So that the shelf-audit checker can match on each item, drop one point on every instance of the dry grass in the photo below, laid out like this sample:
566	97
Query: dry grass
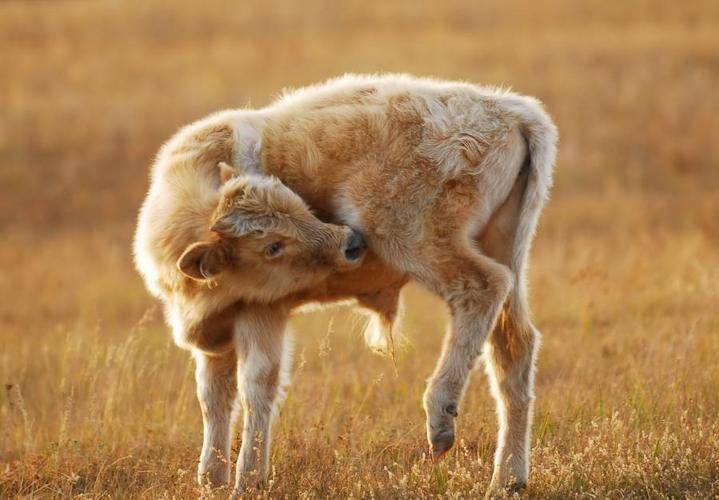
97	400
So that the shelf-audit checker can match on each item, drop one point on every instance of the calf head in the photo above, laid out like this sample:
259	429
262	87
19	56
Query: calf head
266	240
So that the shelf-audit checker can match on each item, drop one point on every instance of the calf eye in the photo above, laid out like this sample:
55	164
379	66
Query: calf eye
273	249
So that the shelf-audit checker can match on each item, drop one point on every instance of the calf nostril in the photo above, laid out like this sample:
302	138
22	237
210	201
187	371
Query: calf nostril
353	253
355	246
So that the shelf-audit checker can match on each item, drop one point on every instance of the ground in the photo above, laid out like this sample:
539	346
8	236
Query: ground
97	400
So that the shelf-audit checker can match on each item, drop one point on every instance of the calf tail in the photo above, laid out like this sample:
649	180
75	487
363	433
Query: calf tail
541	135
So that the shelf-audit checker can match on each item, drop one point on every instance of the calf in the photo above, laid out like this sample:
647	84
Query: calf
446	181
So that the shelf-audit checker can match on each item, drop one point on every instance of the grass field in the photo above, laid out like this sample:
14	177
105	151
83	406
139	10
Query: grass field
97	401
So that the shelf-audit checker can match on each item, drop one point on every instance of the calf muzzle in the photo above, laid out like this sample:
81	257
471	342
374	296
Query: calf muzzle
355	247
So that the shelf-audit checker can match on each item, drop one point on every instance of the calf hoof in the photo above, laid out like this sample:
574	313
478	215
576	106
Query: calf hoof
440	425
214	477
247	492
441	442
497	490
248	485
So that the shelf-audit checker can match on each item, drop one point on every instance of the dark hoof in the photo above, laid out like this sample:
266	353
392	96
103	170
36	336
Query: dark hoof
441	443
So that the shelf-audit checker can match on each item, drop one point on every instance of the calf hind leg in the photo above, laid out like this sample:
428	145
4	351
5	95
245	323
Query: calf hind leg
511	352
475	287
510	359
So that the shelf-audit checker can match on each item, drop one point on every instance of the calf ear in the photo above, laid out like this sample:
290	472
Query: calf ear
202	260
233	224
238	223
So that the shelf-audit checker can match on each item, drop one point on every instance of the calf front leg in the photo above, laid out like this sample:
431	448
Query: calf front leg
475	287
216	392
264	358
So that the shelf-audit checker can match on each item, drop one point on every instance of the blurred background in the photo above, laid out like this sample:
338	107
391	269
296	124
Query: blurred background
625	274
